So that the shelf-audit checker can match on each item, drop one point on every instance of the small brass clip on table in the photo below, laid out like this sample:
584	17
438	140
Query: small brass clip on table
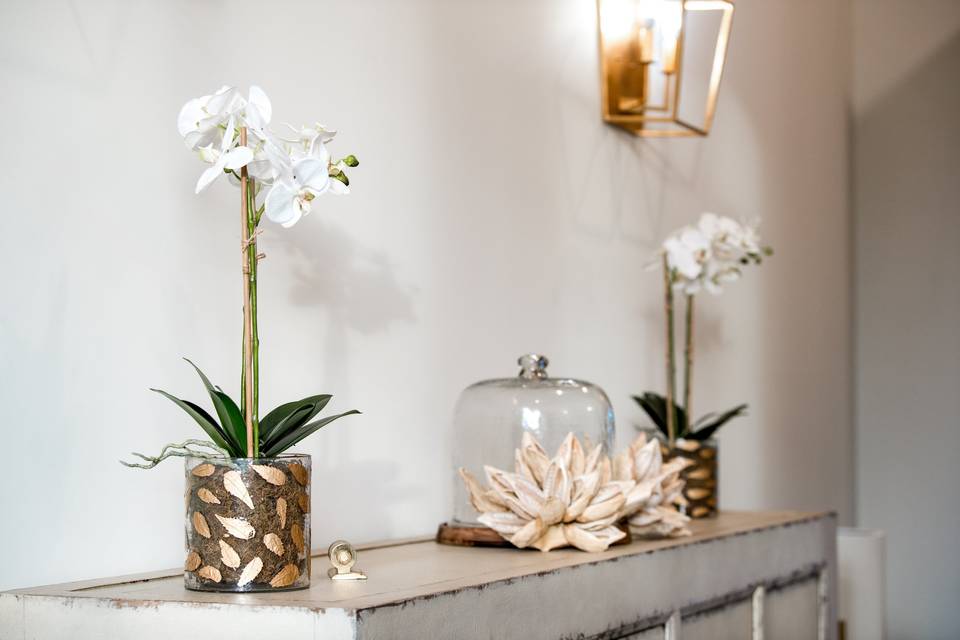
343	556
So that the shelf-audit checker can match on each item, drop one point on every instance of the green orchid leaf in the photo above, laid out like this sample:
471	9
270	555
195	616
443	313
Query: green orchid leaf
682	426
291	415
655	406
202	418
703	420
238	428
300	416
710	427
302	432
226	419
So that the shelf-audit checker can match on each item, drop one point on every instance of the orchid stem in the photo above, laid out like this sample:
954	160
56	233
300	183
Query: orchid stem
249	406
252	259
688	365
671	362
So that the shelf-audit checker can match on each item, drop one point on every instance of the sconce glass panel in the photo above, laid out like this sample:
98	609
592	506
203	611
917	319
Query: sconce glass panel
661	62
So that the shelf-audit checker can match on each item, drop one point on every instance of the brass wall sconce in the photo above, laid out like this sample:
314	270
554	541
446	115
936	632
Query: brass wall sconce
661	62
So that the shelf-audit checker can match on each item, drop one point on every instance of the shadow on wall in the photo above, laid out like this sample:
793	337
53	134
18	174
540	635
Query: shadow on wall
908	347
621	190
345	492
355	287
355	290
629	176
786	162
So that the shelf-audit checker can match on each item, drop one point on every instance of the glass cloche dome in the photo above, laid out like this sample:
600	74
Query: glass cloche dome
491	416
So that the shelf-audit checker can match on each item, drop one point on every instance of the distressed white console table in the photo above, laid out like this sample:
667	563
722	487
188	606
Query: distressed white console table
740	576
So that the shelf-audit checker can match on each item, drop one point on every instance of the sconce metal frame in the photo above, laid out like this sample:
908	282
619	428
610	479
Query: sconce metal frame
635	115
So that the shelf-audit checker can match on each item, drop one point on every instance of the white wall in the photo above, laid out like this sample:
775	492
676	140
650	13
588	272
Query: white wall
906	190
493	214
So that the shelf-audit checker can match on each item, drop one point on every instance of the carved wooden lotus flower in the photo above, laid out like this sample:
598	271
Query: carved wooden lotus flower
651	506
569	500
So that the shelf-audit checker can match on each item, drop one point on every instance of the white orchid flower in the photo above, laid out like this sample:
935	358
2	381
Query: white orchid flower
299	183
307	137
311	142
730	239
295	170
712	253
226	157
261	167
200	120
257	113
750	240
710	224
269	159
716	274
687	252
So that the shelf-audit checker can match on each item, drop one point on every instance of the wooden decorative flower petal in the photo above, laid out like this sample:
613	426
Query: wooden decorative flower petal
299	473
287	576
207	496
303	501
193	561
569	500
282	512
272	541
651	503
270	474
203	470
210	573
591	540
229	556
296	534
233	483
250	572
478	495
200	524
236	527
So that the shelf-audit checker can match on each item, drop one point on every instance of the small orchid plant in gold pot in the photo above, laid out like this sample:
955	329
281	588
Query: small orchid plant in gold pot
706	256
248	503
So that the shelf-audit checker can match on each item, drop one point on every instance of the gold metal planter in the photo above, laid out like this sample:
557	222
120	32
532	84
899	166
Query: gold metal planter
701	487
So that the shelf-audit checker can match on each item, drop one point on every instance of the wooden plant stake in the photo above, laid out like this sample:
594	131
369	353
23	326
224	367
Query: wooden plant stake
247	311
671	365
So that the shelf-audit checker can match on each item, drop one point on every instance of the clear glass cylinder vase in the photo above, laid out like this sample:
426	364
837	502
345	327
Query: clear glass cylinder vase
247	524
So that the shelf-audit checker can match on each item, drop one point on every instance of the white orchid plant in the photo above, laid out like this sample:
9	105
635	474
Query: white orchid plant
231	133
279	176
702	257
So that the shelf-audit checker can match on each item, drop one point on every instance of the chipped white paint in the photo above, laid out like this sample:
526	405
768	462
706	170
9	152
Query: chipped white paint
792	611
758	595
729	622
672	629
95	619
420	589
823	604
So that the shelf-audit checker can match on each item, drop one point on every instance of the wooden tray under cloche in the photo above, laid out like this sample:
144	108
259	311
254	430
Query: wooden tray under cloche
463	536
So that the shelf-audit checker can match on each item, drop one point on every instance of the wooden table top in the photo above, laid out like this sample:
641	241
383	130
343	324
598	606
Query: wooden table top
406	569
